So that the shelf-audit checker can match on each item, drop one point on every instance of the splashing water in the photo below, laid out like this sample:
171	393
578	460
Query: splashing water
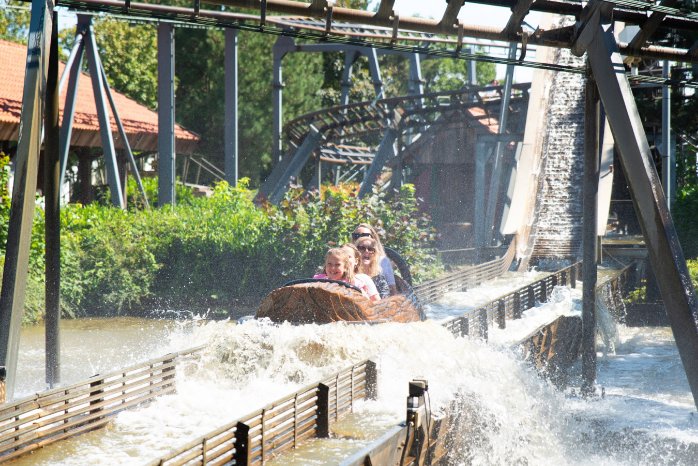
504	412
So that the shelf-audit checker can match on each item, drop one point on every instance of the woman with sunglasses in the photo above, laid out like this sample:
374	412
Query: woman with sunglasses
364	230
370	266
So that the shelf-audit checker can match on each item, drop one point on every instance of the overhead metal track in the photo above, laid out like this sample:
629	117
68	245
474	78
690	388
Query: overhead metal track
401	30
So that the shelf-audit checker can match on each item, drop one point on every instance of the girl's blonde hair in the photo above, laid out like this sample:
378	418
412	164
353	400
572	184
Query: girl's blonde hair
356	253
380	251
344	257
374	267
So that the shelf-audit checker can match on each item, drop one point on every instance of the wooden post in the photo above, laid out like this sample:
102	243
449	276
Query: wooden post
323	411
242	443
371	380
501	314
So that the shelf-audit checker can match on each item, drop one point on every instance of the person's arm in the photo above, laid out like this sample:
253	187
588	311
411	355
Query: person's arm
387	270
371	290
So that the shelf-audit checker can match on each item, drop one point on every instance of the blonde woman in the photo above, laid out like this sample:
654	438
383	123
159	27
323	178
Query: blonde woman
368	247
364	230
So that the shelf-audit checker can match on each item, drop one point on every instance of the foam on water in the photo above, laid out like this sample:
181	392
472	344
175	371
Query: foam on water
506	413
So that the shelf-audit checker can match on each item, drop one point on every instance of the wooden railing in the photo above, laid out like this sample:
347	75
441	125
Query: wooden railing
50	416
466	278
510	306
282	425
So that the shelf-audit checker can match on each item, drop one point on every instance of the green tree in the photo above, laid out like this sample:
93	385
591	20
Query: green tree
14	21
129	55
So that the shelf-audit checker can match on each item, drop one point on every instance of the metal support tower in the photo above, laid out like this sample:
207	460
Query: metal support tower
385	152
14	278
595	36
231	106
166	115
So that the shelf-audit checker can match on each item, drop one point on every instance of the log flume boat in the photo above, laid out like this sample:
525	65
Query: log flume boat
322	301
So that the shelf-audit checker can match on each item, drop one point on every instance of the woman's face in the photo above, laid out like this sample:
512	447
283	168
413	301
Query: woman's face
334	267
367	250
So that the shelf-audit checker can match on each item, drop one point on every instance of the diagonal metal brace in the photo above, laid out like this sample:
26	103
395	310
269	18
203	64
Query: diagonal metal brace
386	151
296	164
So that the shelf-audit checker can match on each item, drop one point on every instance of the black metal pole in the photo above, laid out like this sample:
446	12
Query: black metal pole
52	236
591	188
14	278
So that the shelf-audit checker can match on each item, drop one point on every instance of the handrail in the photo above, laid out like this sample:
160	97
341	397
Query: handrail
53	415
511	305
281	425
469	277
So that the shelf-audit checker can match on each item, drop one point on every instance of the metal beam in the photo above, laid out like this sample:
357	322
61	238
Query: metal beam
589	239
231	106
124	138
668	156
166	115
662	242
14	278
450	16
554	38
375	70
52	215
279	50
349	60
495	178
518	13
71	98
649	27
386	151
109	151
295	165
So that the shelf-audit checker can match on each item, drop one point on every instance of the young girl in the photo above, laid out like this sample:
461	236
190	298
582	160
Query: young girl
337	266
340	264
361	280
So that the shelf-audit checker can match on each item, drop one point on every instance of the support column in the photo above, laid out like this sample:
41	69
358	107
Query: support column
231	106
495	178
52	212
590	190
385	152
668	156
73	69
374	68
109	151
14	278
166	115
349	59
481	156
278	52
662	242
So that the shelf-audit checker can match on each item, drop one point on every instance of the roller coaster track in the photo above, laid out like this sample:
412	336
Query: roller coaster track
354	134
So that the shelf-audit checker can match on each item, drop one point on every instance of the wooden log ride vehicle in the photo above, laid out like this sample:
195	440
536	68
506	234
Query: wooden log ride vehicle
322	301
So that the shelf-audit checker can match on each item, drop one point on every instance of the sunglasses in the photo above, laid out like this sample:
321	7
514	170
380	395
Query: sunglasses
366	249
356	236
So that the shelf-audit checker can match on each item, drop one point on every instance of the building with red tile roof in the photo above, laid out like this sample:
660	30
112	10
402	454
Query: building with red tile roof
140	123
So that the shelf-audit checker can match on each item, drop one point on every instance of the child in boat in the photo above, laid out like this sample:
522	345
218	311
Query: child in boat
361	280
339	265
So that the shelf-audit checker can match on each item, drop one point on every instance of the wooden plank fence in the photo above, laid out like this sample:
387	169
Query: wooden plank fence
56	414
466	278
280	426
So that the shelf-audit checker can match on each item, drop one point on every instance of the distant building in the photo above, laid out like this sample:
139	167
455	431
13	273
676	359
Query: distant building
139	122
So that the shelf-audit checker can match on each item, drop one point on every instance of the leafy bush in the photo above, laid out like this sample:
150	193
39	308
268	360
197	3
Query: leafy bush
205	253
684	214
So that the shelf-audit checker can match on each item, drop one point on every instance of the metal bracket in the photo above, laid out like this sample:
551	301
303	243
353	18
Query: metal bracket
524	44
461	33
263	14
396	24
328	20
